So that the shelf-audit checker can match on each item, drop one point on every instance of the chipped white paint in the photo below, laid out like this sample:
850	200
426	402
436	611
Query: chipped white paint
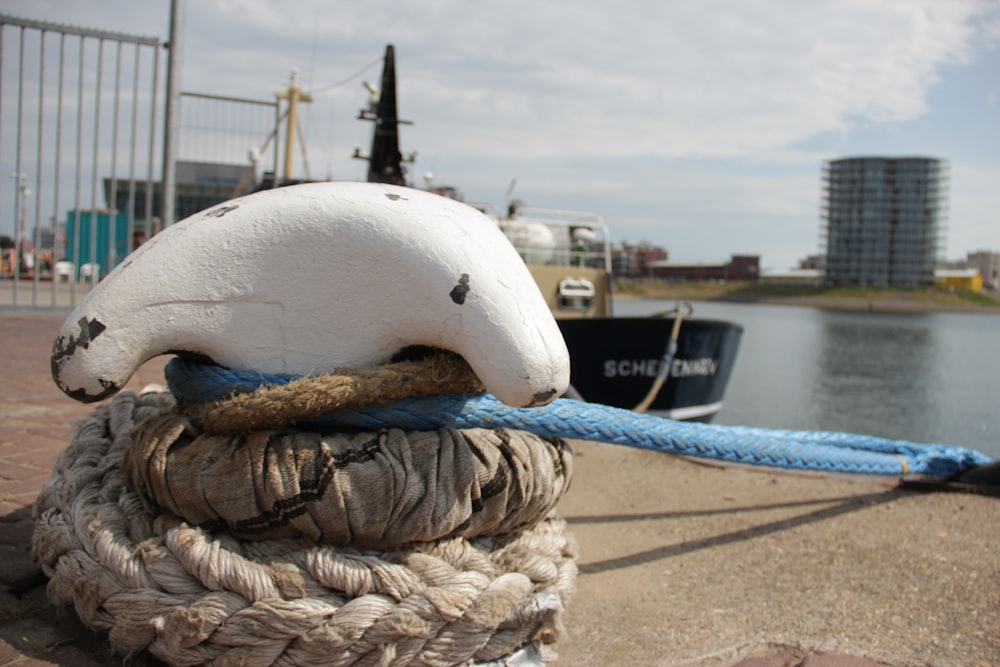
315	277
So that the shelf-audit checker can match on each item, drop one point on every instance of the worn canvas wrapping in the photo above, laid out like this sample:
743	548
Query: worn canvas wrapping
378	489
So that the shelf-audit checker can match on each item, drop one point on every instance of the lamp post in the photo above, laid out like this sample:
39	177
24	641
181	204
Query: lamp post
21	193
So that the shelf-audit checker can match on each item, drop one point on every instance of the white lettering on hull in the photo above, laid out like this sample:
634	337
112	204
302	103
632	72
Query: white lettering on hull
679	368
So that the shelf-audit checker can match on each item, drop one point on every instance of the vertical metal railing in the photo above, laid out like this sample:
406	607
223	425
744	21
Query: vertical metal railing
70	141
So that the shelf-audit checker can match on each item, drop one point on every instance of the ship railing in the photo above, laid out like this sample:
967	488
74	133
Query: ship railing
593	252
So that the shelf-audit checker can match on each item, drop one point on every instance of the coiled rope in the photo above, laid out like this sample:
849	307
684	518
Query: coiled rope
134	566
803	450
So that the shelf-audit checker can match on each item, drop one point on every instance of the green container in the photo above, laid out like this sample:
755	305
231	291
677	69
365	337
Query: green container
87	240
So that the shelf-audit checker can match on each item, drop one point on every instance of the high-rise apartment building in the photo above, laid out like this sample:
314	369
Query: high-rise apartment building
884	220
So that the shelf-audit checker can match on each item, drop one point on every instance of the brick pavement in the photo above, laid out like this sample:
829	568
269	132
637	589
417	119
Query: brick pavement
35	424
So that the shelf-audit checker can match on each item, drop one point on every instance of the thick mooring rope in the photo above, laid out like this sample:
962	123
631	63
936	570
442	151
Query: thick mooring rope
156	583
374	489
563	418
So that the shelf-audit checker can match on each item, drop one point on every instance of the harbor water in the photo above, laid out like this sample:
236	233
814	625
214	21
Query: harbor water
923	377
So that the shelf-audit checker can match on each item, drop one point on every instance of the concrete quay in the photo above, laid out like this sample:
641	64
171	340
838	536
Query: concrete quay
681	563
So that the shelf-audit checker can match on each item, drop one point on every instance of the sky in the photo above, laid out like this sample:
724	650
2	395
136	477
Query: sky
698	126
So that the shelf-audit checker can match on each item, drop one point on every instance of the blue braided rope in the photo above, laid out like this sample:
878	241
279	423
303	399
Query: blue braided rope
563	418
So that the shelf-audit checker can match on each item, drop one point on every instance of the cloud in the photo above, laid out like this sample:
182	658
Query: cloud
639	77
677	119
714	79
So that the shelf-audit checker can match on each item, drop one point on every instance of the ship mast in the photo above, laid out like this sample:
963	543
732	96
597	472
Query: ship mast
385	162
294	95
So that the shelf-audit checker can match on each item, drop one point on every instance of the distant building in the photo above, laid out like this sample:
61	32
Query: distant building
130	218
632	260
739	267
984	262
959	279
200	185
988	264
798	277
813	262
884	220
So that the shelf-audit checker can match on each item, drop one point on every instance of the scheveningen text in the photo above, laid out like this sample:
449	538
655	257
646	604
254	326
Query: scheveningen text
679	368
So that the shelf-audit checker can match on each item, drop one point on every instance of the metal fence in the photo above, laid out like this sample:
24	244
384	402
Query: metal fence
78	123
223	143
231	130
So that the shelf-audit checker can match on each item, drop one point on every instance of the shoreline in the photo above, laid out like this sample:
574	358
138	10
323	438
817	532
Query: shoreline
865	305
64	296
881	300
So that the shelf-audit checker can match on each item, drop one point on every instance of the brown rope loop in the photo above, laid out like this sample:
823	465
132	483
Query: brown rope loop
301	400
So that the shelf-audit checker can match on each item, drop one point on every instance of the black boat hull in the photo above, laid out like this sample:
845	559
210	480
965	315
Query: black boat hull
615	361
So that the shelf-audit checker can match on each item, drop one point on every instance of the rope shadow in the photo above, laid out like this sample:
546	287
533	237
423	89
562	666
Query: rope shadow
844	506
656	516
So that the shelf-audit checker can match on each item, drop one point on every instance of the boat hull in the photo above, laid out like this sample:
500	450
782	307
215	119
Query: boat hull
615	361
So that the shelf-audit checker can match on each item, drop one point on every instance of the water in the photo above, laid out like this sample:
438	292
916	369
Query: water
923	377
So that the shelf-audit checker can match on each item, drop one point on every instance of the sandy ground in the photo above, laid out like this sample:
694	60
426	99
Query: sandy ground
683	563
